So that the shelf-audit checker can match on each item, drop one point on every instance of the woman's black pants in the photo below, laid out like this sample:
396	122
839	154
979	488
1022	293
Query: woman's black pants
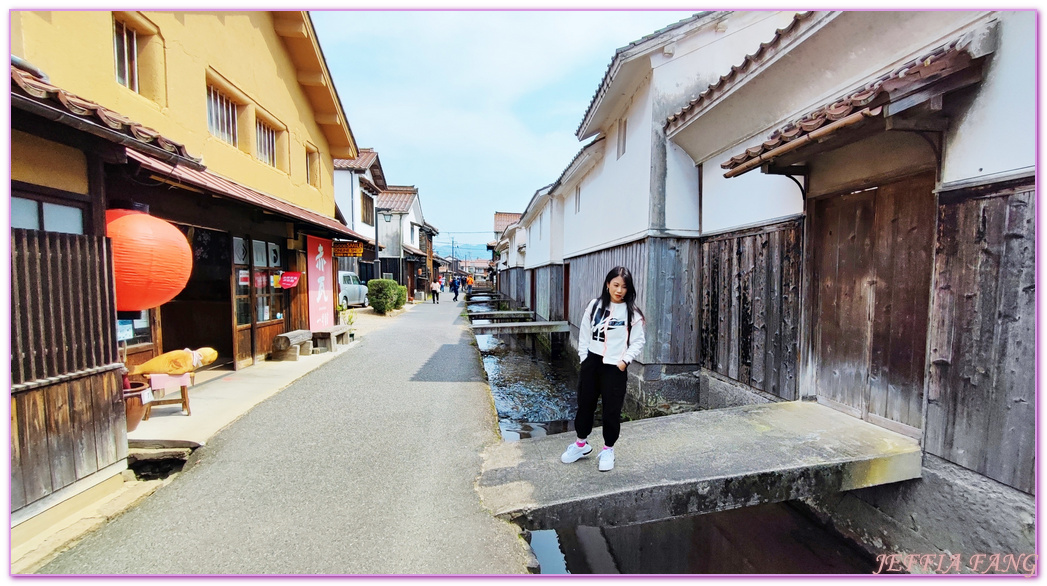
596	380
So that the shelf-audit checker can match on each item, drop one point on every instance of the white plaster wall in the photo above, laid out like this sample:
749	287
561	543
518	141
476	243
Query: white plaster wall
700	58
517	237
413	215
556	230
345	189
749	199
994	133
681	192
539	238
616	192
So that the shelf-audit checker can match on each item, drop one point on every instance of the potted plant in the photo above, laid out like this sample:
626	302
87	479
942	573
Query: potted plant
350	318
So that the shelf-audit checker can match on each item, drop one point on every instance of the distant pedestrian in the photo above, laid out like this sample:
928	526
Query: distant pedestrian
610	336
454	288
441	283
435	287
469	284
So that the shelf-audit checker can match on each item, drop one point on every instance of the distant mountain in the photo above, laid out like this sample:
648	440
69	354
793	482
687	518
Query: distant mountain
463	251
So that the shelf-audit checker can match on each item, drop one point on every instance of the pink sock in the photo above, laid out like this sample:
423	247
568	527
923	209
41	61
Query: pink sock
608	447
580	443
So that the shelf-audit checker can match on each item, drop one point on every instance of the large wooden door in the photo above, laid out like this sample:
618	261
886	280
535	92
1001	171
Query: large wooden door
872	253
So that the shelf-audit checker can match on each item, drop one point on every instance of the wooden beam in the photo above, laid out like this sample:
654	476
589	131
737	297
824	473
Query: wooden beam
292	29
327	119
918	124
313	79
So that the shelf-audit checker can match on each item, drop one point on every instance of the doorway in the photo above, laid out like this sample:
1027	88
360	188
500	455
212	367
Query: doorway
872	253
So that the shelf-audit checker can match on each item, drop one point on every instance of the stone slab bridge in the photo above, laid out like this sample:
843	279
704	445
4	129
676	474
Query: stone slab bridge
698	462
524	327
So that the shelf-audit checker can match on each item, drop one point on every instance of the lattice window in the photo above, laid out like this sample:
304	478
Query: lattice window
266	143
221	116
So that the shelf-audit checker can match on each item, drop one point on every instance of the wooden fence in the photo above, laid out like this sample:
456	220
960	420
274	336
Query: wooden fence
749	311
67	410
63	314
981	388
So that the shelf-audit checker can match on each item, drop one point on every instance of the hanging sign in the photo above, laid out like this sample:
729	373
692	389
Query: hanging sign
289	279
347	248
243	277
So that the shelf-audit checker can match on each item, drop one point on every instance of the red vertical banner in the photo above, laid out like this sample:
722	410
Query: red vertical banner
322	275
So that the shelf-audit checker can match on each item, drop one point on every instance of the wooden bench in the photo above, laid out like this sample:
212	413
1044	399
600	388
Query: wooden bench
159	383
290	345
329	339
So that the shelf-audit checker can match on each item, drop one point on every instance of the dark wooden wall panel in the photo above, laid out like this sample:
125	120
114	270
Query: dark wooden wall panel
981	379
749	306
64	432
549	292
672	310
588	272
264	336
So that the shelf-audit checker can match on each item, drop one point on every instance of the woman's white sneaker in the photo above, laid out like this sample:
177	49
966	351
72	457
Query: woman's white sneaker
573	452
606	459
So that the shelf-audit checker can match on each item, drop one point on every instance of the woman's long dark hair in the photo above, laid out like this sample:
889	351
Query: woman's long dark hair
630	298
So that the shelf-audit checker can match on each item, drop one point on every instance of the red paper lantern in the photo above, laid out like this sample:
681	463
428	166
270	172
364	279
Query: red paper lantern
152	260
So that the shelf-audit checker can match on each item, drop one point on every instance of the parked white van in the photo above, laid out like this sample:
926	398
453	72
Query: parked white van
350	290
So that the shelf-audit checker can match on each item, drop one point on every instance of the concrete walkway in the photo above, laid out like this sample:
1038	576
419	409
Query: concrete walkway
697	462
366	465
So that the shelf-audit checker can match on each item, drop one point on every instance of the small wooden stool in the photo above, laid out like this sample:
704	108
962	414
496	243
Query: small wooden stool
159	382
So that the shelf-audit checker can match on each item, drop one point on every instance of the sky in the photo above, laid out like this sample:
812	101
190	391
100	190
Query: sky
477	109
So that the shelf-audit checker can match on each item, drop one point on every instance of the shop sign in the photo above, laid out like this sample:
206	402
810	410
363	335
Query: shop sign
347	248
243	277
289	279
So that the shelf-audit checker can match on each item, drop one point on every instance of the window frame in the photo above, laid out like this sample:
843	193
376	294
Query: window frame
265	142
126	64
312	165
42	195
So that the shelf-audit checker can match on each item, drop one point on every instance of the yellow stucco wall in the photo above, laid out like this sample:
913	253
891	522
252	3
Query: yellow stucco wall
42	162
75	49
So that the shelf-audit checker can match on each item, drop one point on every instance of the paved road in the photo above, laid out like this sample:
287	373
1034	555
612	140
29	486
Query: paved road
365	466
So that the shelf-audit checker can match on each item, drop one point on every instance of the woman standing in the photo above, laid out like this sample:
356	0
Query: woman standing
610	337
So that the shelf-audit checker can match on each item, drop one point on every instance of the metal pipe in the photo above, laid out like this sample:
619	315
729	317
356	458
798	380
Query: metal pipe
795	144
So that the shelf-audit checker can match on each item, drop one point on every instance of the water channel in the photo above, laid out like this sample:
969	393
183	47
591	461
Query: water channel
534	395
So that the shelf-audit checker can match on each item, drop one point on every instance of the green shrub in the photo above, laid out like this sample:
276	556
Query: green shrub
381	293
401	297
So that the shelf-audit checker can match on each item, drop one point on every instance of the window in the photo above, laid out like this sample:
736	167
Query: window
412	233
312	166
577	198
265	137
269	302
136	330
622	128
125	44
366	208
41	215
138	52
221	115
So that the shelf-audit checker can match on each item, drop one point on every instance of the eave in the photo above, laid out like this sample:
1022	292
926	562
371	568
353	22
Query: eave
295	28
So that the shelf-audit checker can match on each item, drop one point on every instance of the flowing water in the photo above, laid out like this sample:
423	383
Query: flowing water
535	396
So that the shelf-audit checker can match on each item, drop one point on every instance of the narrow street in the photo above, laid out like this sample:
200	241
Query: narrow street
364	466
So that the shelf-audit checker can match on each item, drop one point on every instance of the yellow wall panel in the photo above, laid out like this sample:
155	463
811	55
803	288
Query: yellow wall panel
42	162
75	49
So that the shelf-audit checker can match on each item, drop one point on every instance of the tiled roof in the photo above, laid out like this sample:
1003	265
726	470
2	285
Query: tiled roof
606	82
413	250
220	185
766	50
361	162
503	219
946	58
397	198
26	86
367	159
